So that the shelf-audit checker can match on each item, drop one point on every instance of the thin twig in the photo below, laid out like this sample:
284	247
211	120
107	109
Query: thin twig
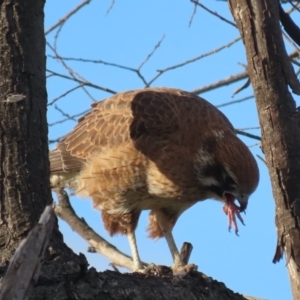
85	83
254	145
72	73
226	81
54	141
110	7
235	101
214	51
244	86
249	128
263	160
68	118
249	135
213	13
193	15
151	53
65	114
64	94
96	61
67	16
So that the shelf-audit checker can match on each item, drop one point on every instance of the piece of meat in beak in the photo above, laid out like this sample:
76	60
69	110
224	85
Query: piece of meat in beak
232	210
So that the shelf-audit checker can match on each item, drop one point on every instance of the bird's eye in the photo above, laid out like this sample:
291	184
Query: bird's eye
228	180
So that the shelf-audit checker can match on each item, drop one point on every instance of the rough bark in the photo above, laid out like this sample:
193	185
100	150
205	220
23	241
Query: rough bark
270	73
116	286
61	280
24	268
24	189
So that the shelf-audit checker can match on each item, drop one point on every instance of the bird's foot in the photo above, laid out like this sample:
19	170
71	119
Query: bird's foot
160	271
182	271
151	269
156	270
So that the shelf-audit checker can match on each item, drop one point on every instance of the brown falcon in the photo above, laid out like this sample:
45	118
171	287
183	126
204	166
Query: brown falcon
159	149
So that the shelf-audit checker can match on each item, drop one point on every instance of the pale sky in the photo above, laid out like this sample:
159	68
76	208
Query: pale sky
125	36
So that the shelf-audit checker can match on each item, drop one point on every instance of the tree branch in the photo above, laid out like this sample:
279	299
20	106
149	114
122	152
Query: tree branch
67	16
65	211
24	269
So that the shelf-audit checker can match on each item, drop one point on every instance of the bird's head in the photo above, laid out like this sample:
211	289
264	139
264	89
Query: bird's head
227	170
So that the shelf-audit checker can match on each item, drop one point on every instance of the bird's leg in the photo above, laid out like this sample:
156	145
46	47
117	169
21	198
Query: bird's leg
165	226
137	264
177	262
179	268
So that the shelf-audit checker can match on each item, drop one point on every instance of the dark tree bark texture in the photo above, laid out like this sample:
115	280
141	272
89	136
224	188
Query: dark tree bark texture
108	285
271	74
24	188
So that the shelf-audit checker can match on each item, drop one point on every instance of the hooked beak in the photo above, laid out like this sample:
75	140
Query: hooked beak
243	201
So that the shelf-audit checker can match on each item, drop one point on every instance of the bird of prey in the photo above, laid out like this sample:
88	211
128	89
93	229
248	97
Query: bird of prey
157	149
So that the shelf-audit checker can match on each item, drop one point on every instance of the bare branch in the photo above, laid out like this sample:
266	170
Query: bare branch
85	83
249	135
254	145
64	94
235	101
54	141
193	15
71	71
244	86
226	81
289	25
110	7
96	61
65	211
68	118
249	128
65	114
67	16
185	252
151	53
214	51
161	71
213	13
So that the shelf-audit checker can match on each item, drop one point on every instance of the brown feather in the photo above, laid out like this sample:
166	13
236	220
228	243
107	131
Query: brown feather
144	149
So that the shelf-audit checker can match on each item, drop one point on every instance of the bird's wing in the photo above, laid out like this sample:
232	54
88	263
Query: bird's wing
125	117
104	126
175	119
150	119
